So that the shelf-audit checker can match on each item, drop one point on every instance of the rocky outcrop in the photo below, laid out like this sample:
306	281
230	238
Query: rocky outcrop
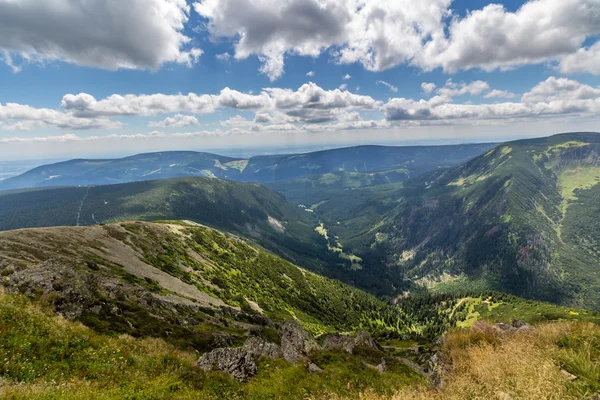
515	326
259	347
296	342
239	363
350	343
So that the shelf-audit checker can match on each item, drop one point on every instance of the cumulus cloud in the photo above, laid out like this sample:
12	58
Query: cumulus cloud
585	60
560	89
23	117
389	85
428	87
553	97
109	34
493	37
452	89
346	77
310	103
177	121
343	86
382	34
310	74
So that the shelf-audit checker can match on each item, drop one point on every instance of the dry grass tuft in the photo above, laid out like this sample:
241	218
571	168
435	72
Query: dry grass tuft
484	364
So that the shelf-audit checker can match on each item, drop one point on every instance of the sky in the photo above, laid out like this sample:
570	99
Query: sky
97	78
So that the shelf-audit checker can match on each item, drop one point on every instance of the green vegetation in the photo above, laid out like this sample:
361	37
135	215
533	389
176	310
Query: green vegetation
48	357
501	221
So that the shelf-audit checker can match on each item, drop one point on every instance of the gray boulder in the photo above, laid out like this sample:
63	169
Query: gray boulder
312	367
296	343
349	343
239	363
259	347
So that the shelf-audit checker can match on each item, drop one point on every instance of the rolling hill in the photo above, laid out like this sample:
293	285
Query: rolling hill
246	209
152	166
518	219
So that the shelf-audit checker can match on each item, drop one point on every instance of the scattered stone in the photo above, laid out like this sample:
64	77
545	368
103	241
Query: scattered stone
296	343
349	343
312	367
568	375
259	347
383	366
239	363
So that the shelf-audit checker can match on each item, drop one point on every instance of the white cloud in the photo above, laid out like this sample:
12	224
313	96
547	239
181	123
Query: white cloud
310	74
310	103
428	87
452	89
109	34
177	121
346	77
583	61
223	56
560	89
491	38
343	86
389	85
23	117
500	94
382	34
553	97
84	105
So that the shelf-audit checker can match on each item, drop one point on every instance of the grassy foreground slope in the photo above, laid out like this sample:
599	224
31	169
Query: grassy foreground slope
178	278
555	361
519	219
48	357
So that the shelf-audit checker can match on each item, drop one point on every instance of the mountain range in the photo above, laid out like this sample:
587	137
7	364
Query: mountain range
337	279
174	164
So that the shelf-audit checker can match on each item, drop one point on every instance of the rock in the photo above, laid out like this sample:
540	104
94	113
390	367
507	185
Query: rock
383	366
296	343
521	325
312	367
503	327
349	343
259	347
239	363
568	375
363	339
339	342
221	339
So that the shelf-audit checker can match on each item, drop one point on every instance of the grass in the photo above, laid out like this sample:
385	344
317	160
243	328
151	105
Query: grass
483	364
48	357
579	178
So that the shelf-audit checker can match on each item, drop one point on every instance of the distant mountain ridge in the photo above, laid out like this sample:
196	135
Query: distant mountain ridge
175	164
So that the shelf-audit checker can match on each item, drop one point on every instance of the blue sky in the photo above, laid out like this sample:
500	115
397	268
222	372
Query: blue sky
99	77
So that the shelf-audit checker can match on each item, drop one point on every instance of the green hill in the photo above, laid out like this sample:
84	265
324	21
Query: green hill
518	219
247	209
